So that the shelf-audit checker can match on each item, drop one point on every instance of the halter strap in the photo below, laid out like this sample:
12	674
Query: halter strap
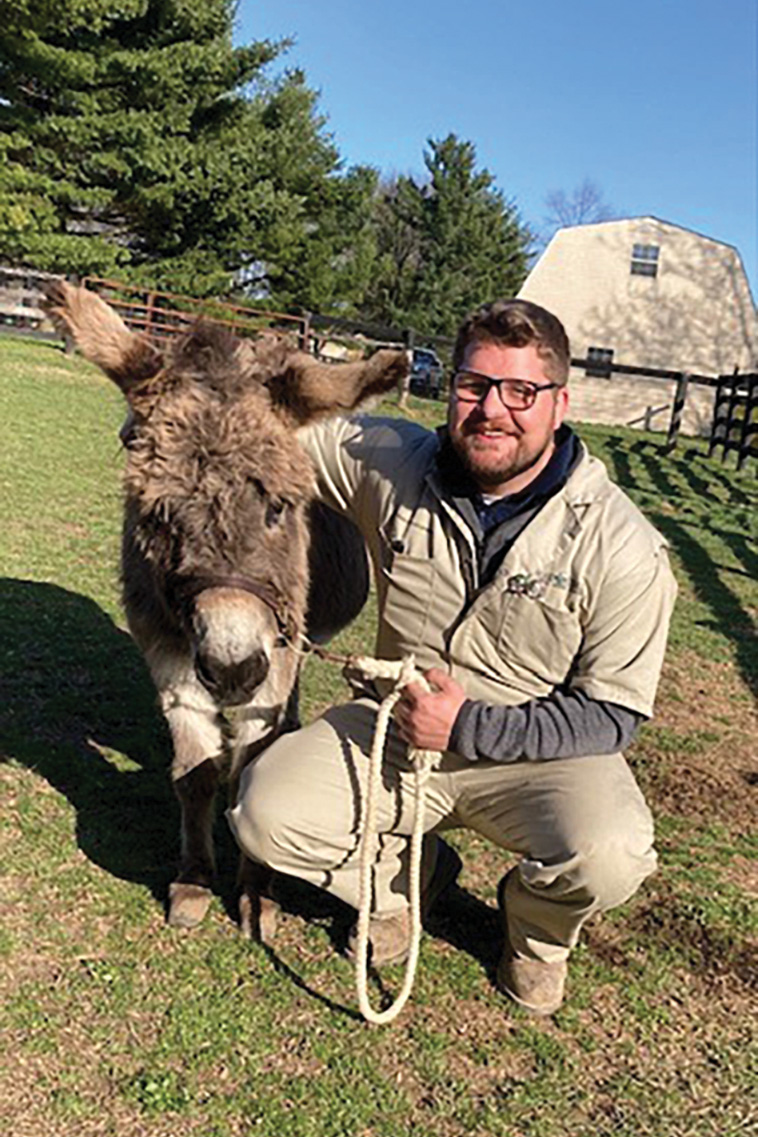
270	595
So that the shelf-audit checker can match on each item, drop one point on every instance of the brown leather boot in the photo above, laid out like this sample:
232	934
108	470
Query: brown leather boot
536	986
390	936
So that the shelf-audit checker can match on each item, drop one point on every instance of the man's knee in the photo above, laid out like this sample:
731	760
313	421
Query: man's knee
294	804
597	874
611	873
260	820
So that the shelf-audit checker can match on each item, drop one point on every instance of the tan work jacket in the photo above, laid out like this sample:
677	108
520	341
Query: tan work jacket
582	599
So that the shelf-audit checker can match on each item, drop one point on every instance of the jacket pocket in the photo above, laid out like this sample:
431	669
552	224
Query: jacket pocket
540	636
532	632
408	585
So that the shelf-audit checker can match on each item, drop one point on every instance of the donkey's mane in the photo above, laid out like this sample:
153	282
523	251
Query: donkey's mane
215	358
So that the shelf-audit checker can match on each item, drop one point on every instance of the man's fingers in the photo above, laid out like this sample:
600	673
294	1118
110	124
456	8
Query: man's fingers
436	677
411	694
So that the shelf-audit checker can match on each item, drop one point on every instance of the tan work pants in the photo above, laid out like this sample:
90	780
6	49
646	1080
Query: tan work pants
580	825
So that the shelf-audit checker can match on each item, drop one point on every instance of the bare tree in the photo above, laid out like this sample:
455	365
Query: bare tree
584	205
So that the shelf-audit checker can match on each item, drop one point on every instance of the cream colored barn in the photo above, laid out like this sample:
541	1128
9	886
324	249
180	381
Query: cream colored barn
644	292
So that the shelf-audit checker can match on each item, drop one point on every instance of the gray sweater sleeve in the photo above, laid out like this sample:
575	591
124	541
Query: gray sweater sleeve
563	725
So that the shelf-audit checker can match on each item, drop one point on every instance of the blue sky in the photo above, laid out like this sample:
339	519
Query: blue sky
655	100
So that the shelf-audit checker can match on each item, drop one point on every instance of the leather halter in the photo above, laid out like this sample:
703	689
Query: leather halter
265	592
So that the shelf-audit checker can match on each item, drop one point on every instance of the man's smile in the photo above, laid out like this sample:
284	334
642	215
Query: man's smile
482	431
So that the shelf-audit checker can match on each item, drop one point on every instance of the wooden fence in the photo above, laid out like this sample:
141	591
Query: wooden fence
735	418
681	379
164	314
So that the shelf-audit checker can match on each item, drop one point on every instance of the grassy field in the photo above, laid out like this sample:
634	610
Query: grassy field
114	1024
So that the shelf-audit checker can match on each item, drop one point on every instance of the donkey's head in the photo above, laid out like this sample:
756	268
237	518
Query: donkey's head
217	486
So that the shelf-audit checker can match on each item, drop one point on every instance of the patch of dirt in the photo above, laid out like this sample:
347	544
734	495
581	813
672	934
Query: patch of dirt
712	775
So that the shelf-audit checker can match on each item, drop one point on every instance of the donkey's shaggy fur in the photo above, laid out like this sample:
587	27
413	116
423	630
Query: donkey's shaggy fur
220	530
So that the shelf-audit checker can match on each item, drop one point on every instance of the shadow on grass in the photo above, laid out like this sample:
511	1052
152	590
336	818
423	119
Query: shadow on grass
459	918
465	922
73	687
676	924
731	618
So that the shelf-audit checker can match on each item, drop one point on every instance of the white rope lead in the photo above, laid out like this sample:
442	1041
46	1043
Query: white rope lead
423	761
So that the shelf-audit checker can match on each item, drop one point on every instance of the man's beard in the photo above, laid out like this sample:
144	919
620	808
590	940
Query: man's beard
486	475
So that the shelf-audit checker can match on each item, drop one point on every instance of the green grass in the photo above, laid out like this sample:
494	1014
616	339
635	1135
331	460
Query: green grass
115	1024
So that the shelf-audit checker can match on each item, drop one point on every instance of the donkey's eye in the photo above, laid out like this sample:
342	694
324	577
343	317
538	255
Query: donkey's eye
274	512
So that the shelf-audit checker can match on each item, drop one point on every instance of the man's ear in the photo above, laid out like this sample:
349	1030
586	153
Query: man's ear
561	404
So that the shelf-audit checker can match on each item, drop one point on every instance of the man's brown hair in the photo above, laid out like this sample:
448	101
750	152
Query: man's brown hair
518	323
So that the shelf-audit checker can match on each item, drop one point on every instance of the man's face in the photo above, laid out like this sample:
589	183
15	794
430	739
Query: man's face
505	450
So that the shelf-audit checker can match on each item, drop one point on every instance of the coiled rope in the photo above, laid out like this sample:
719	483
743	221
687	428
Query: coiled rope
423	762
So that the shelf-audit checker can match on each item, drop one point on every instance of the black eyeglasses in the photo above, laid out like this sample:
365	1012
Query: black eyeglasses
515	394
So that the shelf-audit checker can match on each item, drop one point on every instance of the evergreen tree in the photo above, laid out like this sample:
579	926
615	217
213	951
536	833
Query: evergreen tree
136	140
397	219
446	245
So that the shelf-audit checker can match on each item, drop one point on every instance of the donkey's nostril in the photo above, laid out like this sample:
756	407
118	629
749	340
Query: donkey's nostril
206	672
255	669
232	683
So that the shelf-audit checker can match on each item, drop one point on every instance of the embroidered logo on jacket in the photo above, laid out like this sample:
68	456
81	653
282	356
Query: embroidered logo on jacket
533	586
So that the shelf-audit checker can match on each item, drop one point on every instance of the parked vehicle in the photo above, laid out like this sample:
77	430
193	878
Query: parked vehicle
426	373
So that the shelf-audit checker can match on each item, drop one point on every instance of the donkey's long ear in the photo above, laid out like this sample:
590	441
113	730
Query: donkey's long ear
101	335
307	390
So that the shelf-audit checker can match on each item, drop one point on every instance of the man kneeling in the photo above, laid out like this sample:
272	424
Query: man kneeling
536	598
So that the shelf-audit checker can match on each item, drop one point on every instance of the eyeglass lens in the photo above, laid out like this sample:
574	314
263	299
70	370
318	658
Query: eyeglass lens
514	393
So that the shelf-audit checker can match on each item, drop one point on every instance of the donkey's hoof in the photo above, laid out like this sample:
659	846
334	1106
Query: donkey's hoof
187	904
258	918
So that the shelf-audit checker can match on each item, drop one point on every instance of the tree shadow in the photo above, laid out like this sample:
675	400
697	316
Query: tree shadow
78	707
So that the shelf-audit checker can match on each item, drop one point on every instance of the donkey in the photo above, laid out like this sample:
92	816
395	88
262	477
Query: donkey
227	559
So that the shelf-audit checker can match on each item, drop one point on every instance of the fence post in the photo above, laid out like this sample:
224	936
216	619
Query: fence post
409	339
734	399
150	310
680	398
304	331
748	428
718	406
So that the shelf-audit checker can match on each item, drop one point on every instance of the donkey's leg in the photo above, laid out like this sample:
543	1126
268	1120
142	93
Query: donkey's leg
275	710
190	894
195	727
258	910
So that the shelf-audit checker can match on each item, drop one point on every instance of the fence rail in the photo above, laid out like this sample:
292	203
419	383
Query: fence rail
161	314
164	314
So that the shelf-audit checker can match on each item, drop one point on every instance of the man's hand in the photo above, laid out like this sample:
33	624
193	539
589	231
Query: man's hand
425	720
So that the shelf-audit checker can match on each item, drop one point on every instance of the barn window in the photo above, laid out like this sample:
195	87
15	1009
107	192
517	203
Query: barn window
599	361
645	260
